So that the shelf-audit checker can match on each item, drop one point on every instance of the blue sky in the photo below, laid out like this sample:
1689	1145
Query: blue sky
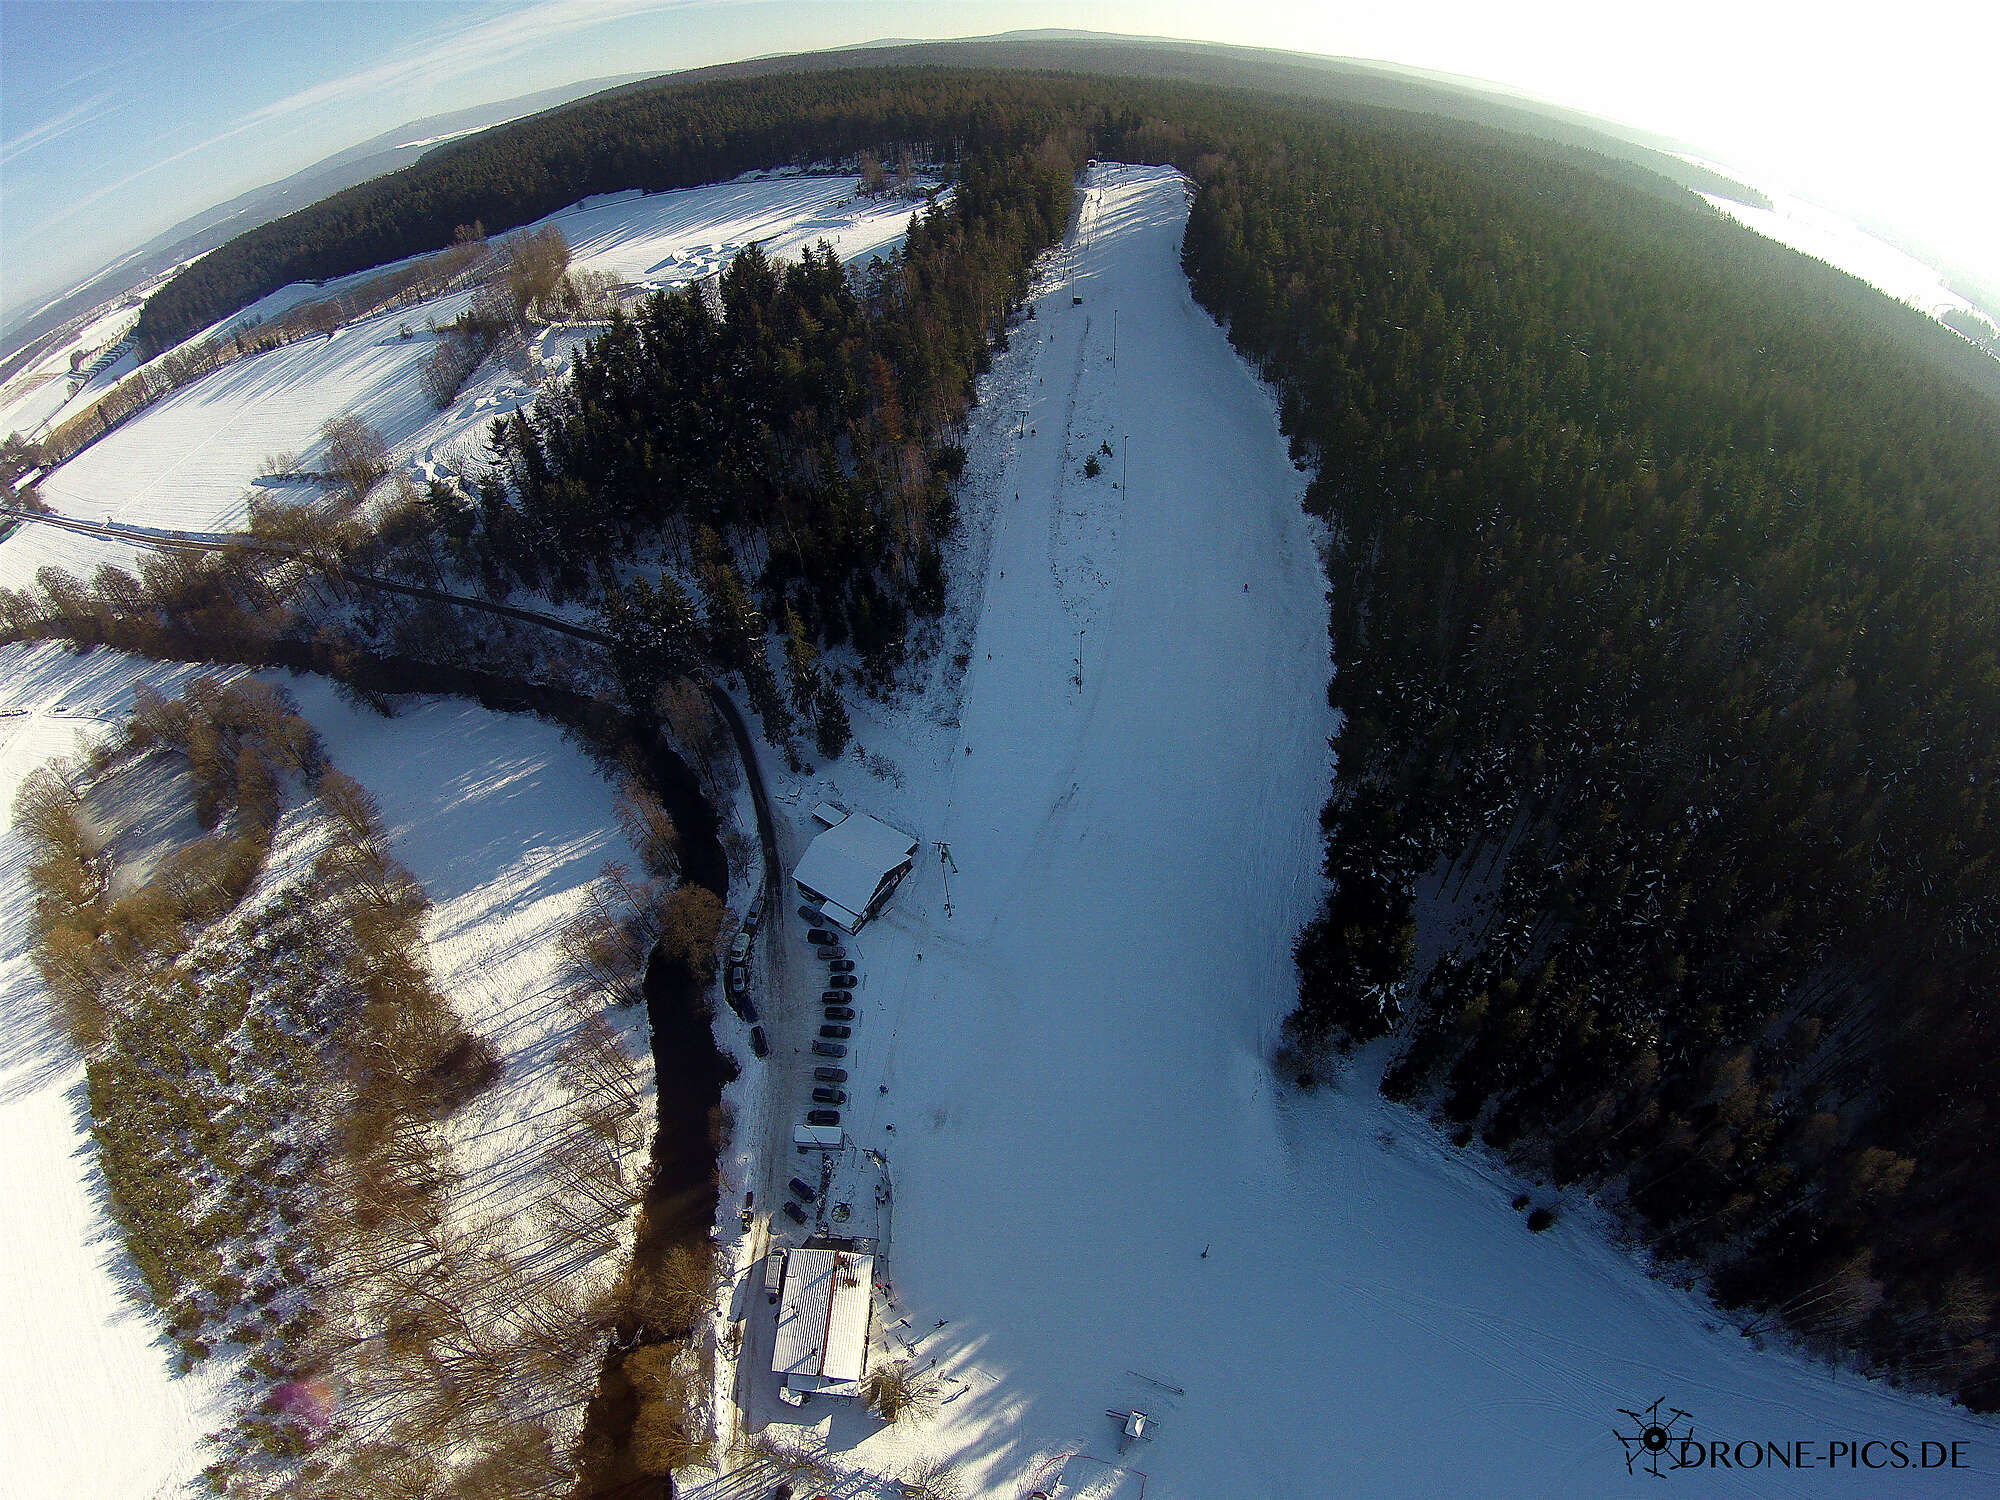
119	119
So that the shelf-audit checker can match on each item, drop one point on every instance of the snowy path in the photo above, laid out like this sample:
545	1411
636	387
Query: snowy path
1078	1101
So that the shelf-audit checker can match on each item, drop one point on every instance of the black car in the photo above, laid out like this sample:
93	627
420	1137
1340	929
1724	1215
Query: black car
759	1044
823	1117
830	1075
806	1191
830	951
810	914
839	1013
842	966
742	1006
843	981
821	935
829	1096
829	1049
838	1033
793	1212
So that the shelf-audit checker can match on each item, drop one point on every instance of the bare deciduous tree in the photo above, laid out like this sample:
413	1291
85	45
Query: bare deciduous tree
536	260
898	1393
356	456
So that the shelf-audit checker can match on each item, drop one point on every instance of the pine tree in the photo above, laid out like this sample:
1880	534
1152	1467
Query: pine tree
831	730
801	664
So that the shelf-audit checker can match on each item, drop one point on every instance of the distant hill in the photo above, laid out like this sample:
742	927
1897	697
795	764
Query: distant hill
32	332
1350	80
536	164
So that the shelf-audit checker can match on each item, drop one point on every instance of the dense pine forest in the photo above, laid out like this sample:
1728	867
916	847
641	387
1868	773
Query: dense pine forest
808	425
1666	580
1662	572
653	138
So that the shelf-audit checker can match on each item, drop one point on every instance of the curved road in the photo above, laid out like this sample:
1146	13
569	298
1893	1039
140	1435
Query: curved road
222	541
219	541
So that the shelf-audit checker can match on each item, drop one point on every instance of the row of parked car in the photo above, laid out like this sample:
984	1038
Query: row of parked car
828	1077
802	1192
837	1024
736	983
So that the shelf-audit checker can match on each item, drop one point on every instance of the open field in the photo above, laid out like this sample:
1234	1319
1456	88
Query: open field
189	462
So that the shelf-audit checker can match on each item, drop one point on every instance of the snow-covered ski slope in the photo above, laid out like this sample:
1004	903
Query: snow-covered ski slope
1095	1171
92	1406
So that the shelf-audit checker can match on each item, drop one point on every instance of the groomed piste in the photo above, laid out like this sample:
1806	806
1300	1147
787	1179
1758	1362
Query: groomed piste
1104	1199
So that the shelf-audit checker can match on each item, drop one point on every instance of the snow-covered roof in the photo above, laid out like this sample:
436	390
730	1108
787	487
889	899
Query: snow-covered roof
840	916
847	864
823	1318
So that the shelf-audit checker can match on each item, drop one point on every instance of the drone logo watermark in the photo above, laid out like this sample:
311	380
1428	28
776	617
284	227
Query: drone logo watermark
1659	1439
1655	1435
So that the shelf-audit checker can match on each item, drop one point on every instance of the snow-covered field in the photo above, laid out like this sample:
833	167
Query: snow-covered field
668	239
1843	244
1101	1191
1103	1198
80	1359
31	400
504	822
188	462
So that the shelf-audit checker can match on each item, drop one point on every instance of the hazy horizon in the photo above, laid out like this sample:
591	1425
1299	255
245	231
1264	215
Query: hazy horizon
97	157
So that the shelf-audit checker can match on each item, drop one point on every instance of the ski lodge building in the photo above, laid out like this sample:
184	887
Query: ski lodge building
850	869
823	1317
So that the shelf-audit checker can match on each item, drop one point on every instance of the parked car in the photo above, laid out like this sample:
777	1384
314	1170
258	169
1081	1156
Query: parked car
821	935
793	1212
739	947
774	1273
805	1190
754	915
843	981
834	997
836	951
758	1043
839	1013
743	1007
823	1117
739	979
829	1049
838	1033
811	914
842	966
829	1096
830	1075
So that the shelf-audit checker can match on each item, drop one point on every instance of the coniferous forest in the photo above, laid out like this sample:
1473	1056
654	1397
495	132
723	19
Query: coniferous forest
1665	577
1665	583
